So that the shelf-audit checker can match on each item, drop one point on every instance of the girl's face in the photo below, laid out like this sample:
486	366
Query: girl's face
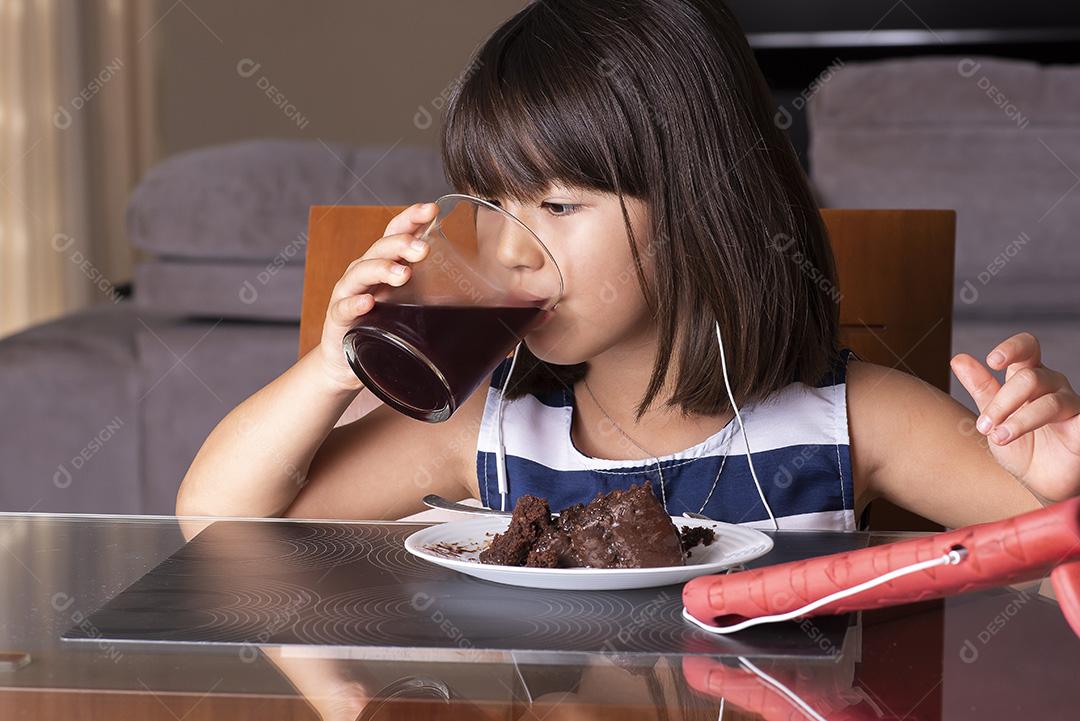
602	303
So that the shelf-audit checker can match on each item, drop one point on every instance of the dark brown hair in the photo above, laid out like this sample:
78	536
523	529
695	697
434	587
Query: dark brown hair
660	100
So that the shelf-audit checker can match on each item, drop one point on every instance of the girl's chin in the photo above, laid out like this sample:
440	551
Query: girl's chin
555	342
551	350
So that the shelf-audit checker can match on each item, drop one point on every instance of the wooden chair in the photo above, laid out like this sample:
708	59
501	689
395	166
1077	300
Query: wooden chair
895	276
895	271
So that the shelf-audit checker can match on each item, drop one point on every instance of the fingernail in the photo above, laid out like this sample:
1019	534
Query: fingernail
418	244
1000	434
996	358
983	424
399	269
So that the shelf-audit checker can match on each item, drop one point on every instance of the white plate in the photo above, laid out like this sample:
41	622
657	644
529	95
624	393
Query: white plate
457	544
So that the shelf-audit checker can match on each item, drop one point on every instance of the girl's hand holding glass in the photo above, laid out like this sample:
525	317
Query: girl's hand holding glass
386	261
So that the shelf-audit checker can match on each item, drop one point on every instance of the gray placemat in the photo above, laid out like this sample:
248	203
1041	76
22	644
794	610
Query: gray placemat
354	585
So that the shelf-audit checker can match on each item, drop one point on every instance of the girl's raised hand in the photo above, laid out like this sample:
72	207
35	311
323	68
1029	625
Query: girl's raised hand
386	261
1032	421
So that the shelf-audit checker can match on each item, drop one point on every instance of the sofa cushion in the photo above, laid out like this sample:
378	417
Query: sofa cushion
192	374
996	140
955	91
231	289
71	433
250	200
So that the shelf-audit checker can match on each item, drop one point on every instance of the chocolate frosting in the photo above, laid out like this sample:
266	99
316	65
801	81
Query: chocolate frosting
620	529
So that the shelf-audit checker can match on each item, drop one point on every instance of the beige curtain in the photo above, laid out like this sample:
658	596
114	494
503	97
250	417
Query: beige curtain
75	135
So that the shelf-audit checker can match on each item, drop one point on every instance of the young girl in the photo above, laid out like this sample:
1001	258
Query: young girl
636	138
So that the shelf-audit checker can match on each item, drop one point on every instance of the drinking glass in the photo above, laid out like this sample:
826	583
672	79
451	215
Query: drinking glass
486	282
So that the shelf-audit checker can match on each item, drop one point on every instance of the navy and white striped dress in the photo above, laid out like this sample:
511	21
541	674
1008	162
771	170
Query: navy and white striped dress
798	435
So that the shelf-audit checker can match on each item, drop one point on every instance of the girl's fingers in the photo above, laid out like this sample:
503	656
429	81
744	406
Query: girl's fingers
412	219
369	273
1046	409
1019	351
343	312
1025	386
976	379
378	265
398	247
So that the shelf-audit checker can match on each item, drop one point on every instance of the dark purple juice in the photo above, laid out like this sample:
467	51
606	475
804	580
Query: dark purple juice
425	360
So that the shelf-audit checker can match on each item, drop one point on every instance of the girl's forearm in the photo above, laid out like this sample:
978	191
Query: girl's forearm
256	460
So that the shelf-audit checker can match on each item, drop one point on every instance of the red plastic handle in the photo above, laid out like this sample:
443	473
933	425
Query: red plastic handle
1016	549
1066	581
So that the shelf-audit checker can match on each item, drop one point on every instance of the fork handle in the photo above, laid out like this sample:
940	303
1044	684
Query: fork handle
435	501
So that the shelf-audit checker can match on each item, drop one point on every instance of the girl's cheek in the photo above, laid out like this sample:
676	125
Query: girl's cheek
596	264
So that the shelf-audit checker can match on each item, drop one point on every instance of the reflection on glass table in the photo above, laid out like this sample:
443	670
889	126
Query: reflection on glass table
994	654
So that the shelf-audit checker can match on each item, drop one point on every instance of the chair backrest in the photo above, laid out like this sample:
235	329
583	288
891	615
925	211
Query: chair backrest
894	267
895	276
337	235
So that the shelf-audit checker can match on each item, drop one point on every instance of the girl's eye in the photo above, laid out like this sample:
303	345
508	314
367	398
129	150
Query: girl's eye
568	208
556	209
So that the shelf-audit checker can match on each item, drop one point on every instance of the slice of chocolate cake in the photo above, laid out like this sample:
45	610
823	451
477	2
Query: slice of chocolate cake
621	529
530	520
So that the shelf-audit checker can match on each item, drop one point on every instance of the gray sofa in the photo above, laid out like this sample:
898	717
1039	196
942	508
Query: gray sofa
105	408
996	140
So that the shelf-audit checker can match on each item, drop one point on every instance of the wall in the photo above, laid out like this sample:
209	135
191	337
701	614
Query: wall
351	71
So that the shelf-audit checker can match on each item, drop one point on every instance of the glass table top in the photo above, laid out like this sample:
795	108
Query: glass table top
996	654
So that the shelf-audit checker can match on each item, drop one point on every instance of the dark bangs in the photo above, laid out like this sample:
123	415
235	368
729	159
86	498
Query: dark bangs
532	108
659	100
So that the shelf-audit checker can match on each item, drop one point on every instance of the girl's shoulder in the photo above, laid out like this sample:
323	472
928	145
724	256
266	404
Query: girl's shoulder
866	378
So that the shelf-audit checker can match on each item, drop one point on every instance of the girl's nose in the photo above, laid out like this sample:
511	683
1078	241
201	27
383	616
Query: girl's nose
517	248
514	247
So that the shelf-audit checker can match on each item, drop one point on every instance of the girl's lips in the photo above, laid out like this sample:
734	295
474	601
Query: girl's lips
528	297
545	318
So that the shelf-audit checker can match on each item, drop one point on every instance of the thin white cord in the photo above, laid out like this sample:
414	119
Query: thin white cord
500	452
742	429
784	690
951	558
